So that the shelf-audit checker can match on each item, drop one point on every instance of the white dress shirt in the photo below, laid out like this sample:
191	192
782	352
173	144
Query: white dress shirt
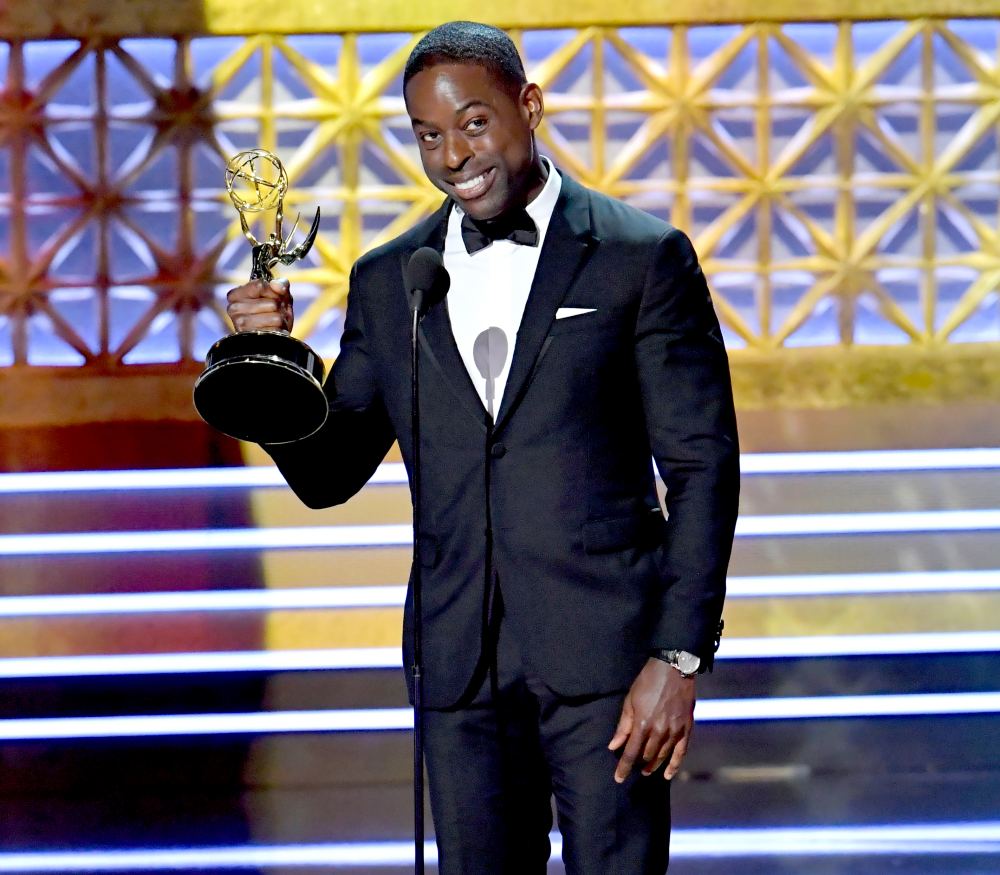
489	290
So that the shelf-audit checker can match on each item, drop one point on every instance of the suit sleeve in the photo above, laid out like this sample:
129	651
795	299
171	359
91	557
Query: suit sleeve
330	466
688	403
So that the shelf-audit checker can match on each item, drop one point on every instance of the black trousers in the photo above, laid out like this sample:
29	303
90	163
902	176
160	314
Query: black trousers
495	761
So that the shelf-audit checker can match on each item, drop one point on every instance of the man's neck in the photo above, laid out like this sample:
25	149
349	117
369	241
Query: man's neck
539	175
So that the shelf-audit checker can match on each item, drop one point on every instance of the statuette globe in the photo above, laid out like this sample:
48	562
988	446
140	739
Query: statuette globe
256	181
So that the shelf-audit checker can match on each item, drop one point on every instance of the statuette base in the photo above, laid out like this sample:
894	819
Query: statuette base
262	386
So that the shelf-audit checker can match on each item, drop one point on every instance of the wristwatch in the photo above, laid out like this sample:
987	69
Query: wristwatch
686	663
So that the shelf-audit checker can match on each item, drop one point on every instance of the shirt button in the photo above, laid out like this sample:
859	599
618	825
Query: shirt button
498	451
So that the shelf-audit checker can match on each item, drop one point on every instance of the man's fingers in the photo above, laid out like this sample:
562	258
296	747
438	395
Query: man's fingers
251	308
654	744
257	315
249	291
678	755
653	763
673	748
624	728
657	749
631	753
261	306
276	290
260	322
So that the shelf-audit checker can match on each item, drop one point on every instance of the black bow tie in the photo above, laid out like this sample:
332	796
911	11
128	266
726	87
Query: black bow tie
516	226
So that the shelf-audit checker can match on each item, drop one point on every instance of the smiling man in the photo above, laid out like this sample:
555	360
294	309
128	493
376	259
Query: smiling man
565	619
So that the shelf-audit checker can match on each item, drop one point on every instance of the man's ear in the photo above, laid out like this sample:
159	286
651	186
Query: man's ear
532	105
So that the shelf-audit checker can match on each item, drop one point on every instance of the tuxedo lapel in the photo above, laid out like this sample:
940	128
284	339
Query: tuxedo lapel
568	243
435	334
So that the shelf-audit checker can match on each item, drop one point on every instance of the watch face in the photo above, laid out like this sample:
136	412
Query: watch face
688	663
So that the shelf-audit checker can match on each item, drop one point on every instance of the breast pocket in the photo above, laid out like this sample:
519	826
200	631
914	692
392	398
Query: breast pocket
579	347
598	320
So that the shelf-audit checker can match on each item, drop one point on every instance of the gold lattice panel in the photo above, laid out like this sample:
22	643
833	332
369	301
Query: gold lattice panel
841	180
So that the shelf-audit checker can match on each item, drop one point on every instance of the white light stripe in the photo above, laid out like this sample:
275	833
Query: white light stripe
784	525
836	841
115	665
393	473
256	476
825	707
396	719
182	540
128	481
359	658
335	597
915	840
390	474
397	535
286	599
802	646
903	839
896	839
378	854
891	583
870	461
169	725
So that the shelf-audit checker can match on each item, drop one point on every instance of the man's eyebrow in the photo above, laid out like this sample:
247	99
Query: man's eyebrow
465	106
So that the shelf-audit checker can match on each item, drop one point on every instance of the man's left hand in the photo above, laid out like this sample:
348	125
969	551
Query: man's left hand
656	722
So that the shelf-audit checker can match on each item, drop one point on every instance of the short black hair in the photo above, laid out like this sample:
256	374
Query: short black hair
469	42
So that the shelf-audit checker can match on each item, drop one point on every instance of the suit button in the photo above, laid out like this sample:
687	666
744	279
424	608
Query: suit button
498	451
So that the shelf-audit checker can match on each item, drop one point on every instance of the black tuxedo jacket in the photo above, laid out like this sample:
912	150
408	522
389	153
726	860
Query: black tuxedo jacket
593	577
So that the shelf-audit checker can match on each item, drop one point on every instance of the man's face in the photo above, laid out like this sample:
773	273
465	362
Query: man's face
475	137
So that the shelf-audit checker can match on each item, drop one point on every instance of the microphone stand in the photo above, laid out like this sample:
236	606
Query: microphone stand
418	680
426	283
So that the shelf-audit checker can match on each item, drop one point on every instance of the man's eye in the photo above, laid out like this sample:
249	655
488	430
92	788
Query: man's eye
476	125
428	137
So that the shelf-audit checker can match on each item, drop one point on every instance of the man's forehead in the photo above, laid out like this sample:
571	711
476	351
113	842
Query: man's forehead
467	77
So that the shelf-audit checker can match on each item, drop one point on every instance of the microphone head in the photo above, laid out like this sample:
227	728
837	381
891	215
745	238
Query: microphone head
426	279
490	352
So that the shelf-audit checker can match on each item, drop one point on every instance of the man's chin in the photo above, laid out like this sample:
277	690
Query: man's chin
493	204
485	210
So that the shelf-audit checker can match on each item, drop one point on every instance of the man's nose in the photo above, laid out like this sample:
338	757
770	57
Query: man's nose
456	151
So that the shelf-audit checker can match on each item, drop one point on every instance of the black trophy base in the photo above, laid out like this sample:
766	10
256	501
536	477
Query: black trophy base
262	386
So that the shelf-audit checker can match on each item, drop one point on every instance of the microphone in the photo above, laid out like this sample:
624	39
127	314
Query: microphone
490	354
427	281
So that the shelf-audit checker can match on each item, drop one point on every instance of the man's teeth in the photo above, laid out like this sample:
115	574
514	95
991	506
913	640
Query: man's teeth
470	184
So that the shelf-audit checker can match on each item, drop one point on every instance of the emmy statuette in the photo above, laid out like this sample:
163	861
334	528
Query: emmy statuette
263	386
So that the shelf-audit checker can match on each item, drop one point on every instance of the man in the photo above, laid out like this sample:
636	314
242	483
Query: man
564	618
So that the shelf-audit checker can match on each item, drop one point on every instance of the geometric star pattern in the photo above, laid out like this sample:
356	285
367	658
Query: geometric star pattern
841	180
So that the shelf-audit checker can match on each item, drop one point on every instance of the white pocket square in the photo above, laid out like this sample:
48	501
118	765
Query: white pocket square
566	312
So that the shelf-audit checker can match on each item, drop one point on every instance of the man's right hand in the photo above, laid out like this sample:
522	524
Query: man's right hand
261	306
